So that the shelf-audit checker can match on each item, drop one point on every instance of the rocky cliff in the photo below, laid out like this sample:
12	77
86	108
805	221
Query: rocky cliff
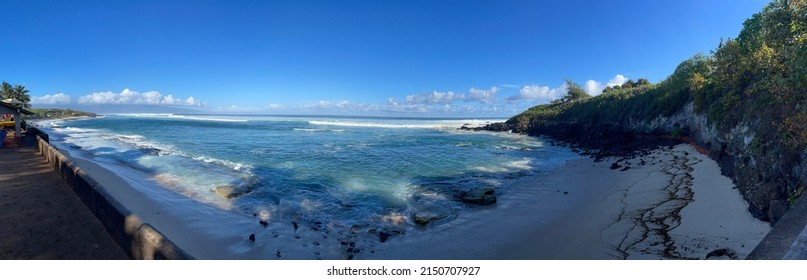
769	175
745	105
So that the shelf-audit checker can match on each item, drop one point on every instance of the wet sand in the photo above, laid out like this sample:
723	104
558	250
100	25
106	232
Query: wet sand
676	205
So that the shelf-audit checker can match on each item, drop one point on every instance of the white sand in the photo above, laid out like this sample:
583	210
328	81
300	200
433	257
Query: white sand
605	214
608	214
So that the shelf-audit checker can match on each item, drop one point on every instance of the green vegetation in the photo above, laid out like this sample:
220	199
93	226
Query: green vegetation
794	196
758	78
58	114
17	92
573	93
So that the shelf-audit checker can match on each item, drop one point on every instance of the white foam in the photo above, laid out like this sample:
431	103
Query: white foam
69	130
511	166
216	119
234	165
309	129
317	130
413	124
187	117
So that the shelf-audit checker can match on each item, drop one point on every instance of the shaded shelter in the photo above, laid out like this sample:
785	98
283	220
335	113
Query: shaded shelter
15	108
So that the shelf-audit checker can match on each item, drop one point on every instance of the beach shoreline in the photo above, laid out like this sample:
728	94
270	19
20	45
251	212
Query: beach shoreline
675	206
592	214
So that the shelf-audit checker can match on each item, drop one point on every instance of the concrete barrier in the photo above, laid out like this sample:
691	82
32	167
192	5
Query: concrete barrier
138	239
783	241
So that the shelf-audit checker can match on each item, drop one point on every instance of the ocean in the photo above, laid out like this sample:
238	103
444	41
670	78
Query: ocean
343	173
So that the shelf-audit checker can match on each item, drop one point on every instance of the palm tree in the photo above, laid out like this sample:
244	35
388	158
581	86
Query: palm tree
17	92
22	95
7	91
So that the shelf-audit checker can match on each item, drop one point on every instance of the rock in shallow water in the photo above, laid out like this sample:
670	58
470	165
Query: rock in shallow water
229	191
383	236
425	217
481	196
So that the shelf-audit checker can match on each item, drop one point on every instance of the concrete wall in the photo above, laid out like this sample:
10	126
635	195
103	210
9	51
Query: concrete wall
138	239
786	238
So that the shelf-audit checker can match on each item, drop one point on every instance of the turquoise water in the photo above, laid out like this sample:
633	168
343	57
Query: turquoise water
335	170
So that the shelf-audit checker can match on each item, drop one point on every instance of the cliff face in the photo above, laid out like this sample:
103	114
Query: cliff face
769	175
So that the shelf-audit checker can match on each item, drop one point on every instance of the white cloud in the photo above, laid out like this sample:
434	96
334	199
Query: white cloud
341	106
619	79
436	97
535	93
129	97
594	88
275	106
486	96
237	109
50	99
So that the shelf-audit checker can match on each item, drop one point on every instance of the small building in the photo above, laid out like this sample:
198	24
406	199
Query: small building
14	108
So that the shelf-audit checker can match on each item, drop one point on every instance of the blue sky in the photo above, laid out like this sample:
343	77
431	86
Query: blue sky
419	58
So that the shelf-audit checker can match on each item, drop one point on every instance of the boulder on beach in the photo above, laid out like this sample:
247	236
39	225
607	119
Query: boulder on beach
230	191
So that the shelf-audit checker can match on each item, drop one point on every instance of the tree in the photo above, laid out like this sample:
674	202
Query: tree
573	92
642	82
21	94
7	90
628	84
17	92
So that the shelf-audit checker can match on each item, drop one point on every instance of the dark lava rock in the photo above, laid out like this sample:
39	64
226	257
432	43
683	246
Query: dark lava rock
252	237
427	216
497	127
480	196
264	223
725	252
615	166
383	236
230	191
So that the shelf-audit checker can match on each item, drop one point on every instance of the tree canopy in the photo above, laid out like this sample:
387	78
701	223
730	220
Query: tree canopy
573	92
18	92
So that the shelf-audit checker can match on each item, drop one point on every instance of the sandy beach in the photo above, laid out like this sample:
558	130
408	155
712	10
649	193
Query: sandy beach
674	206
